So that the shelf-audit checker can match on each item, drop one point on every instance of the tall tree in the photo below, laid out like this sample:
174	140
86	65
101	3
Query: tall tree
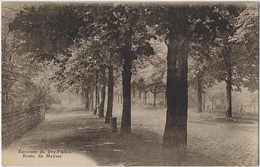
182	24
110	94
246	47
133	41
201	74
235	68
150	72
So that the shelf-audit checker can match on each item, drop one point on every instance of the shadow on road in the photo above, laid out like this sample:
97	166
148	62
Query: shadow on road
88	136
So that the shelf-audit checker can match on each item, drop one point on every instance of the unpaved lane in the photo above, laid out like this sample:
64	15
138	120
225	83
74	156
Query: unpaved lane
59	131
87	140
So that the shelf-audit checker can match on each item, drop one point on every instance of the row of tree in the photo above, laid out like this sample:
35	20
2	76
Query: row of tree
91	44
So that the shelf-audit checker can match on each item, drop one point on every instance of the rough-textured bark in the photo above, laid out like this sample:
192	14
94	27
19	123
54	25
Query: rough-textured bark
126	81
199	96
97	98
175	134
87	98
110	95
229	94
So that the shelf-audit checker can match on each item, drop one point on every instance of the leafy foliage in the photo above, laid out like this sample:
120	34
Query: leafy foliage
48	29
246	48
77	40
150	72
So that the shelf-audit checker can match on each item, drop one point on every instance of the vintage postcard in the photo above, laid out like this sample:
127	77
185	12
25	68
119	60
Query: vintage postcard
130	83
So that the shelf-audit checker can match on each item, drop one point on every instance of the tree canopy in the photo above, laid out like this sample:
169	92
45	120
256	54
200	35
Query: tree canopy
155	47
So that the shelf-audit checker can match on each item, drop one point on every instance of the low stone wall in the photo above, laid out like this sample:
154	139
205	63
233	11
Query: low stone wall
14	124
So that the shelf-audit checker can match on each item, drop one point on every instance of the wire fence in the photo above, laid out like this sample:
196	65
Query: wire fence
16	123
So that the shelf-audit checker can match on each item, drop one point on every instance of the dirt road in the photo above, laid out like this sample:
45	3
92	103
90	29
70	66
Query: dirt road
79	138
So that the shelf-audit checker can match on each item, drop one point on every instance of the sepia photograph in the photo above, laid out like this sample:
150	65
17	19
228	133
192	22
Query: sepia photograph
130	83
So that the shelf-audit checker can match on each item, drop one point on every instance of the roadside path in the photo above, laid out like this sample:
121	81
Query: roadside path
79	138
232	143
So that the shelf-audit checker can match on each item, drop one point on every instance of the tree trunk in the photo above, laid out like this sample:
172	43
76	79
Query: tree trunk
91	100
203	102
199	95
154	97
140	96
229	94
118	98
97	98
110	95
175	134
83	94
102	103
103	94
148	96
87	98
126	81
145	97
